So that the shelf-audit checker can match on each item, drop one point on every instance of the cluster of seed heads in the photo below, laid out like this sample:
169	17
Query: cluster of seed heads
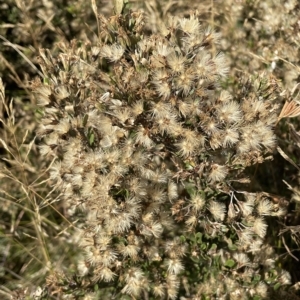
148	148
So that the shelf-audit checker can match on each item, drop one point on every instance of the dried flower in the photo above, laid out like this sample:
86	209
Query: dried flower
217	209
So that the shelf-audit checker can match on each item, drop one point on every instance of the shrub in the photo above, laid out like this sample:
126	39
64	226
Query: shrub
150	154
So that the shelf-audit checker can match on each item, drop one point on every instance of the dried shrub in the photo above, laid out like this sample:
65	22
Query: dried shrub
150	154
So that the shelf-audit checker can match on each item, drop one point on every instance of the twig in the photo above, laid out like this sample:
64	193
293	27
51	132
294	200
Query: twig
288	250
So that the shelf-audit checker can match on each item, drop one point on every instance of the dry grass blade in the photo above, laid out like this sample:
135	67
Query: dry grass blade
95	10
6	147
294	135
23	55
287	158
290	110
2	90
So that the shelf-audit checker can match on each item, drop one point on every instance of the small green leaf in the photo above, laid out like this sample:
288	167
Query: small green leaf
91	138
230	263
85	119
257	278
213	247
277	286
182	238
231	246
198	237
46	80
203	246
39	111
